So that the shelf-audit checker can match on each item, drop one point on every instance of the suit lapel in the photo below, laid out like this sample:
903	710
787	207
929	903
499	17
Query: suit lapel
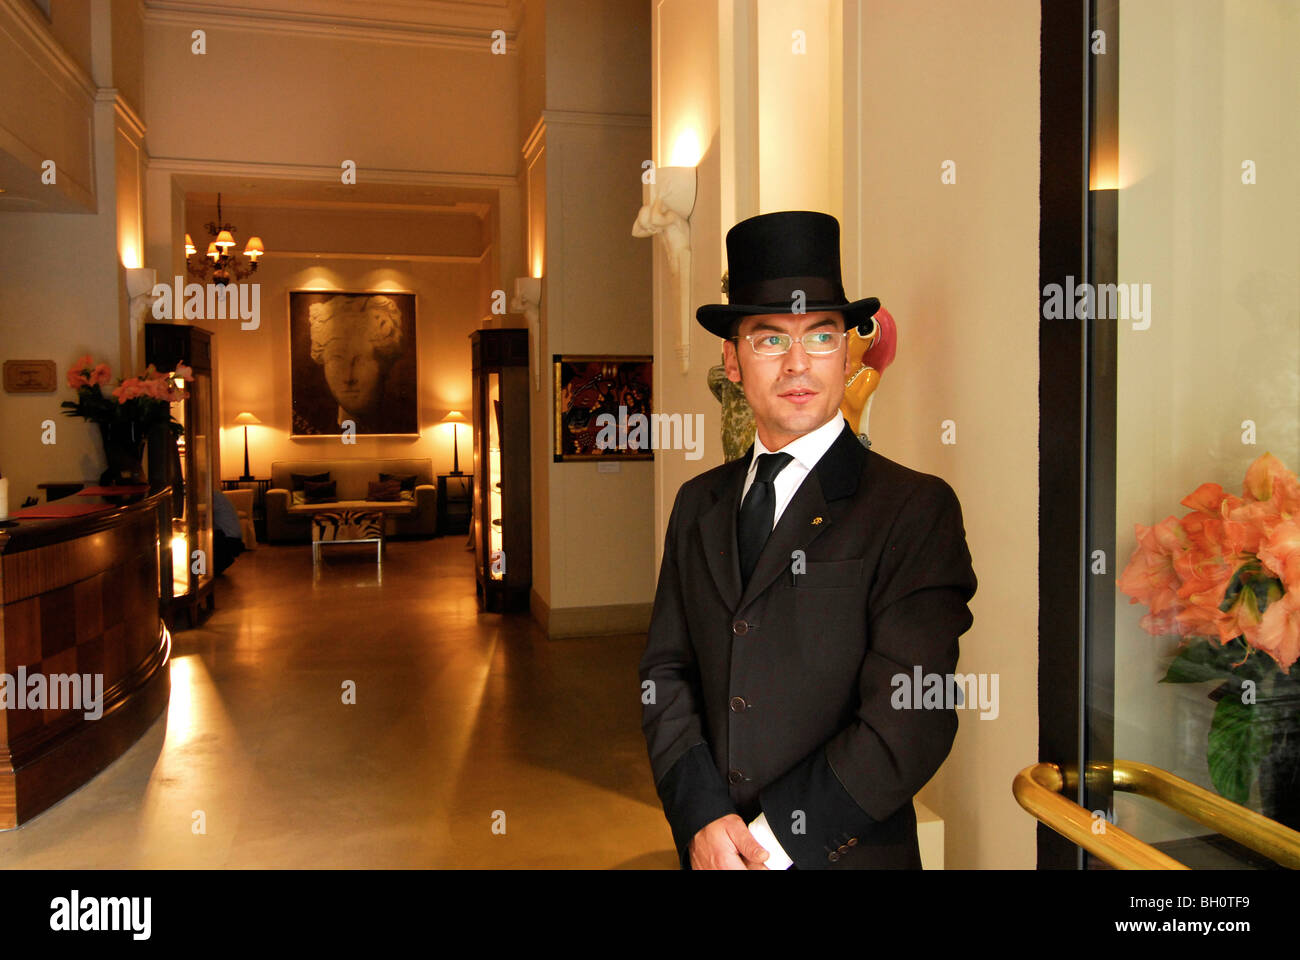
809	513
718	529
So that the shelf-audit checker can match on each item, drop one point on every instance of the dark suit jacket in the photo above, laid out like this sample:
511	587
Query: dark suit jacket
777	698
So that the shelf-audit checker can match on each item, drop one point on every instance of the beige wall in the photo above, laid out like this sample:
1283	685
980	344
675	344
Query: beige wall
581	192
795	89
957	267
47	110
318	101
1202	85
688	107
58	301
62	286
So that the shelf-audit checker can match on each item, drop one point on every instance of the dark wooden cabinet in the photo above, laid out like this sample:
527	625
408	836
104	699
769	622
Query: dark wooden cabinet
190	468
455	502
503	523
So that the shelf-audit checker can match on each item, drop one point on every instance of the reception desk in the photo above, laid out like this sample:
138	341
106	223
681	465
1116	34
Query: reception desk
80	628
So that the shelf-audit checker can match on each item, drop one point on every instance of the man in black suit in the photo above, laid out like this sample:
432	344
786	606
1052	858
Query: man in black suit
798	584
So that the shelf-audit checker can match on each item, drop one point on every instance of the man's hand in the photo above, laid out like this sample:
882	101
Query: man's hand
726	844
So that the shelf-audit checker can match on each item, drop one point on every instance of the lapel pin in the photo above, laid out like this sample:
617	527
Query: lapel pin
816	520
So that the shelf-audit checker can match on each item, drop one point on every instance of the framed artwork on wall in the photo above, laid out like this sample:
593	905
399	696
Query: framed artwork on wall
603	407
352	361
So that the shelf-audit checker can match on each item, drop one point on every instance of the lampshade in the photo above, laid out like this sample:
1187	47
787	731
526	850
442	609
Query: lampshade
225	240
213	252
190	249
254	249
246	418
454	417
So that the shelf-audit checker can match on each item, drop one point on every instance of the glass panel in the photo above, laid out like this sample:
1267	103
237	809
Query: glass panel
496	568
179	539
1194	218
203	478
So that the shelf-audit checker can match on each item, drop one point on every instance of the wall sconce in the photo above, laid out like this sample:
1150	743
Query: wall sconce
528	301
667	205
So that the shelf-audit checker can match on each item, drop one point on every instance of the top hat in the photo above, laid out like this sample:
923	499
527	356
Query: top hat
771	258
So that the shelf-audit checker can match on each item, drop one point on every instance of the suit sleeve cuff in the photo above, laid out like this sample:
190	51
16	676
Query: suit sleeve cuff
812	815
693	794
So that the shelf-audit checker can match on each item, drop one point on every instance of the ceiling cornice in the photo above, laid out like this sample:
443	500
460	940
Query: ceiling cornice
477	211
306	171
440	23
413	257
588	118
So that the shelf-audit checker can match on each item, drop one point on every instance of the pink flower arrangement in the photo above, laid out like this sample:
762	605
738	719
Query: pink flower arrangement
154	385
145	399
1228	569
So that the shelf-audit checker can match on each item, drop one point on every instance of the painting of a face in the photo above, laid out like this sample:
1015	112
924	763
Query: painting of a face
363	351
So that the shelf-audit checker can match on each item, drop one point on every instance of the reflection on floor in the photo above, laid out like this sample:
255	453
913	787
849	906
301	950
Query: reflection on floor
258	762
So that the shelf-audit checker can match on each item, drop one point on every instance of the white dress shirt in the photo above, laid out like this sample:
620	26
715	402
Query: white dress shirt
806	451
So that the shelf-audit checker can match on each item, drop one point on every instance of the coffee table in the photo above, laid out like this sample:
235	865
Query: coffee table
347	526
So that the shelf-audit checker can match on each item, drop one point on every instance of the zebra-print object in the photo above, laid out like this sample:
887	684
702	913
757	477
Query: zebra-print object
347	525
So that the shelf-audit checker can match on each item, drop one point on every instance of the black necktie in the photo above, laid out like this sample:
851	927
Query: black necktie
757	511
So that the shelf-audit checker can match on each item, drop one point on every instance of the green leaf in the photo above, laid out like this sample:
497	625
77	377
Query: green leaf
1199	660
1237	744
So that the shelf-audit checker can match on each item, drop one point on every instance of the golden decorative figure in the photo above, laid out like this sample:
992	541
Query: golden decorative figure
869	356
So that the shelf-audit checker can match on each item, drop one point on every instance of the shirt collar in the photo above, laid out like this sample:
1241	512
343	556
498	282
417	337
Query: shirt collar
810	447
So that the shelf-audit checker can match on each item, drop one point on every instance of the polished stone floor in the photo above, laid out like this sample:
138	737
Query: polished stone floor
462	722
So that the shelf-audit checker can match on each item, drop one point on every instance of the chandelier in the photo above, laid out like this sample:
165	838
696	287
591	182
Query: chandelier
219	265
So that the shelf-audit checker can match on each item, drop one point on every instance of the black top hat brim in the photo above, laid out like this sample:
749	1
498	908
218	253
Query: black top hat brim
717	318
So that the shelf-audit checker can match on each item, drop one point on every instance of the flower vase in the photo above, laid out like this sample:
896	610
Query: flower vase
1279	768
124	451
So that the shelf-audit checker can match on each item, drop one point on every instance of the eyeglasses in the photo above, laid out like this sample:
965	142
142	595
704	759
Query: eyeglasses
815	342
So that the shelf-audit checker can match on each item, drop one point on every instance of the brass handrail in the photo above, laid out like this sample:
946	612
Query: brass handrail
1037	788
1279	843
1274	840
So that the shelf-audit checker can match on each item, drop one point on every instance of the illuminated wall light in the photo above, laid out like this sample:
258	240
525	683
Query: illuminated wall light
686	150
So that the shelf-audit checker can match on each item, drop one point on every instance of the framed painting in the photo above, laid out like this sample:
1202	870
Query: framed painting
603	407
352	362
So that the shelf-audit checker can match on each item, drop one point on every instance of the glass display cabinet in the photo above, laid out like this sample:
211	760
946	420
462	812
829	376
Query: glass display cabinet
191	470
502	488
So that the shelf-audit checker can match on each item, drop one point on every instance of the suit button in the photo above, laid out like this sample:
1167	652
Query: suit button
832	856
735	776
738	705
740	628
842	850
852	841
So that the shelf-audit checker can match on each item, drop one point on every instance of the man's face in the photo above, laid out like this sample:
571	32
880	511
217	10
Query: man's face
795	392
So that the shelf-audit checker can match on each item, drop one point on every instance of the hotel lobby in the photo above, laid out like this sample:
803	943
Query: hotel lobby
330	535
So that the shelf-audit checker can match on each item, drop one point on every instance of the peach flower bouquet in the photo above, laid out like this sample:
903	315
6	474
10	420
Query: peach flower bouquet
137	405
1225	579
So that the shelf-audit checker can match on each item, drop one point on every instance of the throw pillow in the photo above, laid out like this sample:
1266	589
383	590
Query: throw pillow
384	490
407	480
320	491
297	481
408	495
297	498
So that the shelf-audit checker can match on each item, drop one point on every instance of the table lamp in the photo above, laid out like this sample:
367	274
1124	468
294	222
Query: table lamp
244	419
454	418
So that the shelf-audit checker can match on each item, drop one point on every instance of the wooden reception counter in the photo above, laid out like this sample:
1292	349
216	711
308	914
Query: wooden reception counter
83	652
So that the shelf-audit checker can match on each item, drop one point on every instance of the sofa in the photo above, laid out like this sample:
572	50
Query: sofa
287	521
